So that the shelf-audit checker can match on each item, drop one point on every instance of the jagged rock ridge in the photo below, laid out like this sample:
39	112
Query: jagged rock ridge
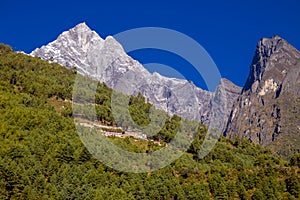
268	110
106	61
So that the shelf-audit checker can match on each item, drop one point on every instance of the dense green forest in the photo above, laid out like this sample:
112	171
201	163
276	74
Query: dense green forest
42	156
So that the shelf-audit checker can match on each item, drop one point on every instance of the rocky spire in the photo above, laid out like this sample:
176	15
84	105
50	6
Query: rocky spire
265	49
267	110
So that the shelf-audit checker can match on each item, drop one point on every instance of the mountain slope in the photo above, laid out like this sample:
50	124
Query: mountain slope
106	61
267	112
42	156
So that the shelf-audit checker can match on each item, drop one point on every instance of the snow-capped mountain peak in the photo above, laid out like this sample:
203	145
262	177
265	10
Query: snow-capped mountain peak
107	61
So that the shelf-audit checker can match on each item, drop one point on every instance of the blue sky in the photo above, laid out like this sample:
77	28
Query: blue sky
228	30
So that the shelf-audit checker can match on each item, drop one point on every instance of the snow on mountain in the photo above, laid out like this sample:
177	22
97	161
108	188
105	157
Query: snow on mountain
106	61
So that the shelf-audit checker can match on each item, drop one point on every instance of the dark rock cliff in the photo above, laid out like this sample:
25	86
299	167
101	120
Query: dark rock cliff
268	110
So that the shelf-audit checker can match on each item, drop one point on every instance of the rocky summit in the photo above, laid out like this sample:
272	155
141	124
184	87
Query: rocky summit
106	61
268	110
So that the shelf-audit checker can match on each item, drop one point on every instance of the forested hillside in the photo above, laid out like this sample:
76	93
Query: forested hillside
42	157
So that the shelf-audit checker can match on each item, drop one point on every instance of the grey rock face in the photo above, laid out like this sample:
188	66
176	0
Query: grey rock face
267	111
106	61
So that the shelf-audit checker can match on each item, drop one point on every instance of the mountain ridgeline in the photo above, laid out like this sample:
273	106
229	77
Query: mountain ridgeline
265	111
105	60
268	110
42	156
